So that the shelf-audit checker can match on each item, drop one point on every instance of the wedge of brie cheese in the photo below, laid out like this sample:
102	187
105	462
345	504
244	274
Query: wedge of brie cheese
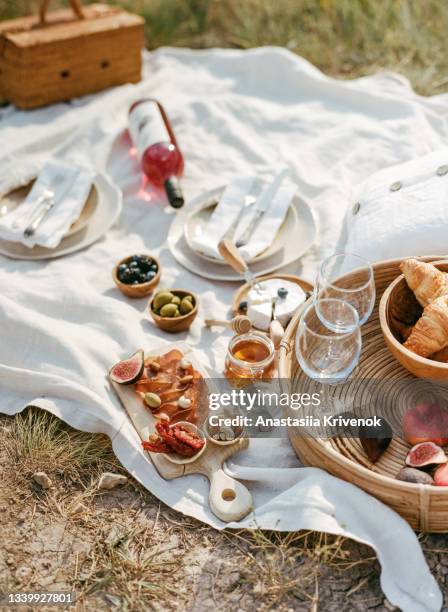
259	303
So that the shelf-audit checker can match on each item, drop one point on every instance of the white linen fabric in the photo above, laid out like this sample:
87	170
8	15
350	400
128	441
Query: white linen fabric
268	225
400	211
223	217
70	185
63	323
226	216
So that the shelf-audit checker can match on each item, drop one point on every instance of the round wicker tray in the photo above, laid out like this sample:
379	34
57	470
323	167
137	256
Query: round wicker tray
425	507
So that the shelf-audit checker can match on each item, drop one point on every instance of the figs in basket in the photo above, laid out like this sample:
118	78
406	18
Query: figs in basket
409	474
375	439
426	423
441	476
425	454
129	370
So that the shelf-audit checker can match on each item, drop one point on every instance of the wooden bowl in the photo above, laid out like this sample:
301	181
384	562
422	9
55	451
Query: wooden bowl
141	290
176	324
398	309
425	507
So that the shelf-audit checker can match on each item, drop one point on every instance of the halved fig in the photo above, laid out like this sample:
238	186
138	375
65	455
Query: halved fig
426	423
425	454
408	474
441	476
129	370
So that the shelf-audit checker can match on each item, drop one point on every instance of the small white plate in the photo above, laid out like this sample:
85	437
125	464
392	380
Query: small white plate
105	210
200	216
296	244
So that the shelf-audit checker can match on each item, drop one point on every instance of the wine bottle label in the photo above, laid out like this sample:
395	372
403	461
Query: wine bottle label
146	126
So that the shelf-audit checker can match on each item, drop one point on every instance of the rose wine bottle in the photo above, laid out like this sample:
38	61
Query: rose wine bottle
157	148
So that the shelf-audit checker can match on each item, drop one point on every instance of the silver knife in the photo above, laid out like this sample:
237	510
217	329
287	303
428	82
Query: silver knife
263	205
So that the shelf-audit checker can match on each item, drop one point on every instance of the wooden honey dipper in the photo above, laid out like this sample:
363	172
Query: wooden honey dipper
239	324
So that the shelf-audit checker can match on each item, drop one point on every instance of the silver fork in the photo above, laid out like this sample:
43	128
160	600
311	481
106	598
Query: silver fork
45	195
32	227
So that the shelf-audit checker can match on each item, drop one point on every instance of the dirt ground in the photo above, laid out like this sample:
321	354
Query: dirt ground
125	550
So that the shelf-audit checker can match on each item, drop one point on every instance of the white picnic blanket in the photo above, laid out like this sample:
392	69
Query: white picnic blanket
63	323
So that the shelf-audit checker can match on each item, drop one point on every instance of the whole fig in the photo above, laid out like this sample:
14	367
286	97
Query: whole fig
408	474
375	439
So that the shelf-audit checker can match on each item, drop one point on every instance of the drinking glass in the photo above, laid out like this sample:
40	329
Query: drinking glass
328	349
350	278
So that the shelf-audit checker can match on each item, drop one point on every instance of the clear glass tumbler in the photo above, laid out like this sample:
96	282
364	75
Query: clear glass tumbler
328	350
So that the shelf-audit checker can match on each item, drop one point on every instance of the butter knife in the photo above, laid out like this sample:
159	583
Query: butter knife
264	203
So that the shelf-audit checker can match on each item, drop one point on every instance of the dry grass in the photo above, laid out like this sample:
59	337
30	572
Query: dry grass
38	441
344	38
124	549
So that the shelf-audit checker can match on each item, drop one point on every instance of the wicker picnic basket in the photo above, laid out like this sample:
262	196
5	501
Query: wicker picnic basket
425	507
58	55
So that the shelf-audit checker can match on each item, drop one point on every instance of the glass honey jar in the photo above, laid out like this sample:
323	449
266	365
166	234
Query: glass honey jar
249	357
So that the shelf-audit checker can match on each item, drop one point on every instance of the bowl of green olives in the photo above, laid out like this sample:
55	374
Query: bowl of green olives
173	310
137	275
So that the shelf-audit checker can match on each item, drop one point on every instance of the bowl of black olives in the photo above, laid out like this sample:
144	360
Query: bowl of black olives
137	275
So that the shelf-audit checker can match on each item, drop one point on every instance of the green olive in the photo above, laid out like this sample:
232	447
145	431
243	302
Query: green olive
168	310
177	313
161	298
153	400
186	306
189	298
176	300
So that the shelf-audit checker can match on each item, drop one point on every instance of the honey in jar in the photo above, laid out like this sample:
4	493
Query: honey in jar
250	356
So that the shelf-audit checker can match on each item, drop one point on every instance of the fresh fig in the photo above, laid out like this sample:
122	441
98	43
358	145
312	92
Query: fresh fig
375	439
129	370
426	423
441	476
425	454
409	474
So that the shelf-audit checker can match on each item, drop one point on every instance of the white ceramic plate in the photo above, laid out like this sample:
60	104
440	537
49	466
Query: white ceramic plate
198	218
105	210
296	244
10	202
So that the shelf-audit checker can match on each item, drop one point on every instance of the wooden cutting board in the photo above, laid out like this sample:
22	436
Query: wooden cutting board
229	499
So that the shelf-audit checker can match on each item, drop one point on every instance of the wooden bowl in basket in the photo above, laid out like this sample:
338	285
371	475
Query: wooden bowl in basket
399	308
141	290
176	324
425	507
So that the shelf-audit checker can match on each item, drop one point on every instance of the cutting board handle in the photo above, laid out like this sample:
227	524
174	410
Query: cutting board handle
229	499
75	4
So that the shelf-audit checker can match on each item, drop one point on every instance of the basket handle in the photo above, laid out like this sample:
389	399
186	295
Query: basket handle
75	4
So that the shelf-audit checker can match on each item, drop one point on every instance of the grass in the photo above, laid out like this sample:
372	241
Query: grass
345	38
124	549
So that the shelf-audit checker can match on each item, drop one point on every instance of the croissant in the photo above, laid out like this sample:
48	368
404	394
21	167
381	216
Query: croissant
430	333
426	281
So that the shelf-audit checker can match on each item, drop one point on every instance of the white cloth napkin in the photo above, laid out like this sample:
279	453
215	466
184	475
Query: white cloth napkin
63	322
270	223
228	209
70	185
400	211
226	212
